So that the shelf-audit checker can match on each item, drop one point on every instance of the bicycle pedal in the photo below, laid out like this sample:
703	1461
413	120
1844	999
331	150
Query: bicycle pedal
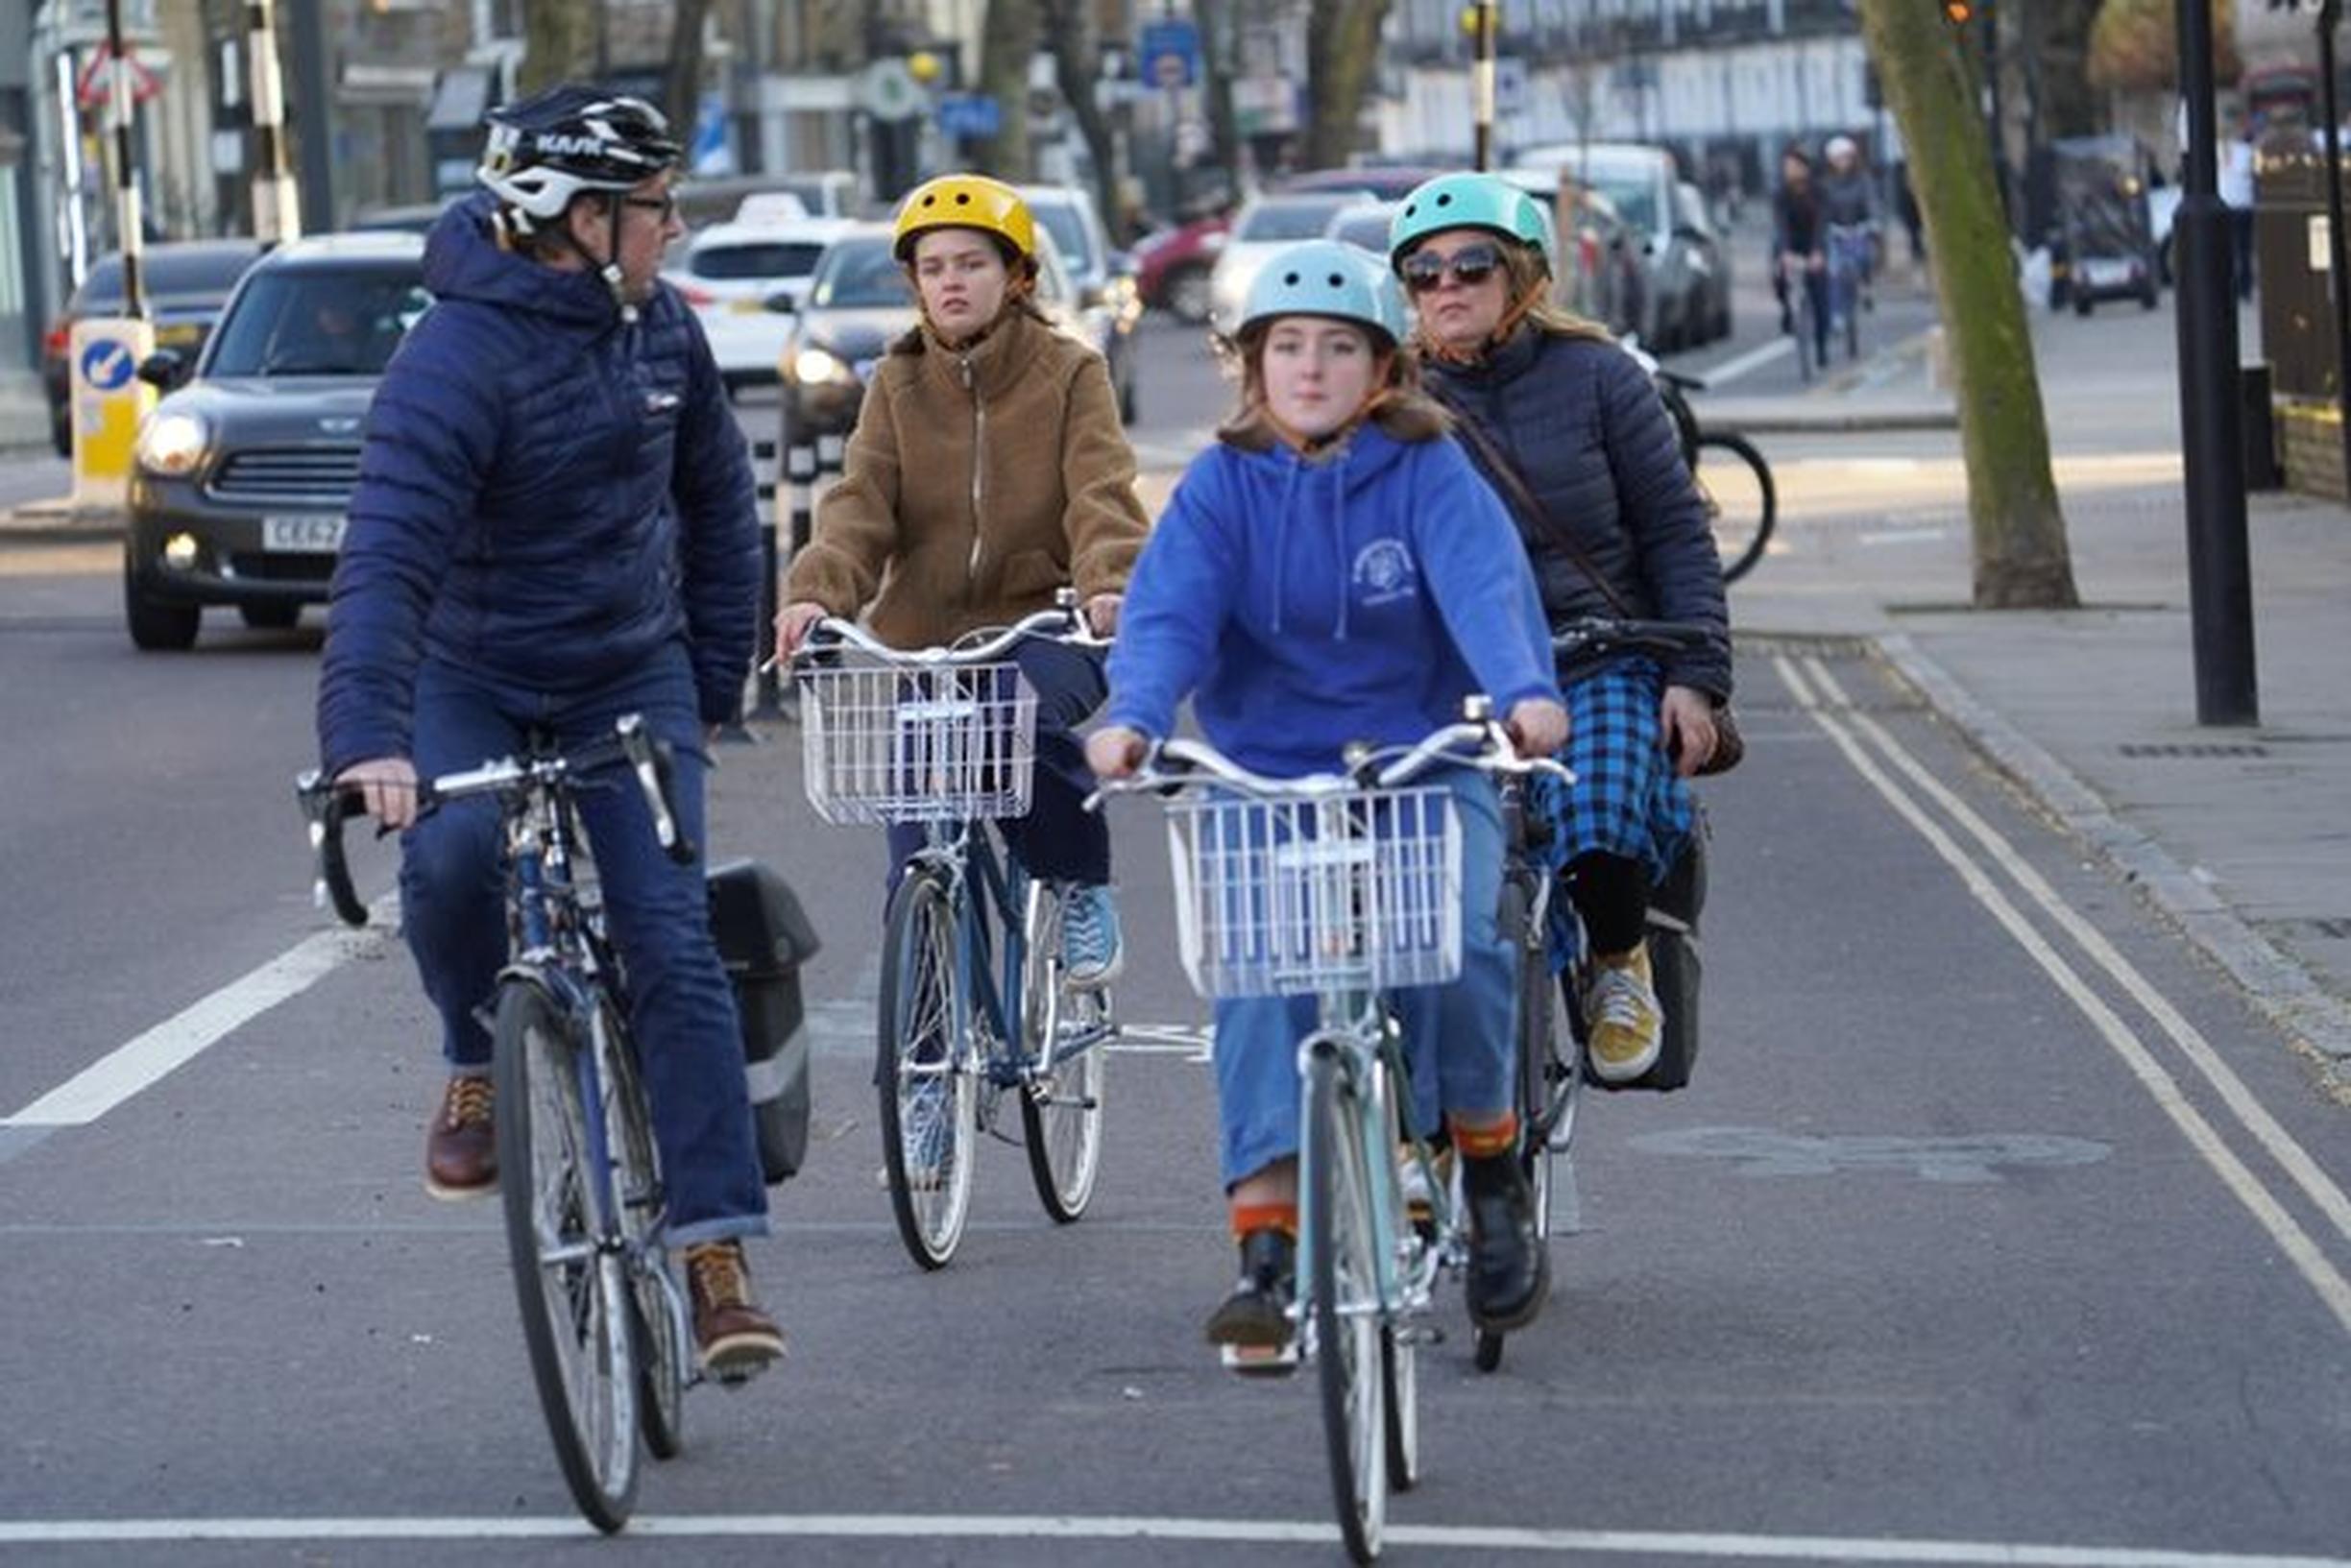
1260	1361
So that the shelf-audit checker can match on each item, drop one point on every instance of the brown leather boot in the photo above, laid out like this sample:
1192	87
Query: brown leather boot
735	1337
461	1146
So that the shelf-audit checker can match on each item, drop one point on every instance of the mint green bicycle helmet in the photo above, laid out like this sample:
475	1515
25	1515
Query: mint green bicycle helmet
1323	278
1471	201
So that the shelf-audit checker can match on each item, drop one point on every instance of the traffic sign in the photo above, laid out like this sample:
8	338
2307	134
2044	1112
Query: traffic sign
94	86
1170	53
107	364
970	115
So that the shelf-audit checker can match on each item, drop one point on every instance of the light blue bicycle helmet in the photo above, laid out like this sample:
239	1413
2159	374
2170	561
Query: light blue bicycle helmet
1471	201
1325	278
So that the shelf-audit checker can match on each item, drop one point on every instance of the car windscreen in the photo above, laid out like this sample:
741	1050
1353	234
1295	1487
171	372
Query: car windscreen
164	275
1632	190
1069	231
317	321
1300	217
860	274
767	258
1367	231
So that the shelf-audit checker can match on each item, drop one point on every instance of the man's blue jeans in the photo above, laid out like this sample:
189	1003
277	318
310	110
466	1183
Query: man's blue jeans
453	892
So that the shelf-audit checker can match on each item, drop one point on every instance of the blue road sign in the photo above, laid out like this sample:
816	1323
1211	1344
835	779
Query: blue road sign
969	114
107	366
1170	53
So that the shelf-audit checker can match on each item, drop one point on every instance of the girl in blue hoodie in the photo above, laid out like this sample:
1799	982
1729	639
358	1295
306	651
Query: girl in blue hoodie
1334	570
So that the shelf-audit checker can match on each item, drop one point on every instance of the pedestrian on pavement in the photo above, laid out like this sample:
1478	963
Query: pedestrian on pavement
1333	570
1800	254
987	472
1560	415
555	525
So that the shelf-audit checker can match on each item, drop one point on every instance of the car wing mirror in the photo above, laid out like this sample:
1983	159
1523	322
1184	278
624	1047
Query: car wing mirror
163	370
783	303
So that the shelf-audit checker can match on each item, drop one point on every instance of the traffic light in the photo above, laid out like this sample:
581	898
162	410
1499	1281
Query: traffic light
1958	12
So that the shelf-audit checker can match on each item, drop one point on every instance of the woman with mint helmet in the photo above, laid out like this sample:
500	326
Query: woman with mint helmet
1619	530
1333	570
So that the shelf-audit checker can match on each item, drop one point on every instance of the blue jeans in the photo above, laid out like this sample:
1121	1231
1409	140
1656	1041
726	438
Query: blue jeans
1058	840
452	894
1458	1037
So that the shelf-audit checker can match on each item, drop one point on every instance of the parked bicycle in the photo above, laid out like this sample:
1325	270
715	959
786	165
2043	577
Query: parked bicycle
604	1315
1734	481
1343	887
974	999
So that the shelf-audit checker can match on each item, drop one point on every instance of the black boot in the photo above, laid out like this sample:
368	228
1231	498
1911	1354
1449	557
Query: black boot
1510	1265
1256	1315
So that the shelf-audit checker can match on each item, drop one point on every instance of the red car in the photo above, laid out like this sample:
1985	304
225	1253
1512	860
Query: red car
1172	266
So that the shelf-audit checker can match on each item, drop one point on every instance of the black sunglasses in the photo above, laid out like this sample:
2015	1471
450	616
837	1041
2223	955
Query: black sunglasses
1470	266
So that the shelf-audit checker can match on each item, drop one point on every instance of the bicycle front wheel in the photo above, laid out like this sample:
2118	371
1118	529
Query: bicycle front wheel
930	1101
576	1309
1061	1105
655	1307
1742	503
1344	1284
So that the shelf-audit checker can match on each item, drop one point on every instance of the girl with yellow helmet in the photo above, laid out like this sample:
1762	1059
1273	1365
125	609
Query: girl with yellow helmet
988	471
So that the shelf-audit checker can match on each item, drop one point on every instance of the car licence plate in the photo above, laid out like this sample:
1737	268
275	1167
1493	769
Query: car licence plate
2106	274
310	533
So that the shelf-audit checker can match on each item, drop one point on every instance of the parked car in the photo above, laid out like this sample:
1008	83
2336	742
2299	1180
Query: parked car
1107	303
1366	225
743	281
1264	227
1677	285
1372	181
1599	266
858	305
1706	256
242	472
185	284
722	198
1172	266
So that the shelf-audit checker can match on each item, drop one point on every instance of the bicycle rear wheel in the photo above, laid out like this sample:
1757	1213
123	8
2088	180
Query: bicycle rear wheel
1344	1284
575	1296
1061	1107
654	1305
1742	503
930	1101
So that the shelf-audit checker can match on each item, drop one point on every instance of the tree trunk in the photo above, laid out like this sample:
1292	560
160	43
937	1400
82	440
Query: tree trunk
1216	20
559	41
1077	64
2016	527
1007	43
682	80
1341	48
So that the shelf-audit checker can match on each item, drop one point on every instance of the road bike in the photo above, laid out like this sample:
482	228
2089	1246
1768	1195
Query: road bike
1343	887
604	1316
974	1000
1734	483
1539	922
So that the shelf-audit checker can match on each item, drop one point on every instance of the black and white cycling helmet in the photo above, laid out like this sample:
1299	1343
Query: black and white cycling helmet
551	146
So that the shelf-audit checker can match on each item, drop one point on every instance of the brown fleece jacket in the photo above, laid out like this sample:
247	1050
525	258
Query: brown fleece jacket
976	484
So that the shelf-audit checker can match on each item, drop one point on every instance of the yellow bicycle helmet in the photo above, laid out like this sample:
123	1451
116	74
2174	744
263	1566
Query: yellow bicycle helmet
965	201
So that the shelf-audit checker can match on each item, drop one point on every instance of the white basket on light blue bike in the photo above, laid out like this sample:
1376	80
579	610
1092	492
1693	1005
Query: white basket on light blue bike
888	743
1356	891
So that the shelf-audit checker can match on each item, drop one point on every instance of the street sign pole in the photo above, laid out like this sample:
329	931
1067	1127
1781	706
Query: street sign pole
126	178
2330	17
2219	572
1481	86
275	216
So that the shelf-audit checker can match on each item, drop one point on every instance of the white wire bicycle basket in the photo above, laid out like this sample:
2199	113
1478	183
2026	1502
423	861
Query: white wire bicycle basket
1360	891
890	743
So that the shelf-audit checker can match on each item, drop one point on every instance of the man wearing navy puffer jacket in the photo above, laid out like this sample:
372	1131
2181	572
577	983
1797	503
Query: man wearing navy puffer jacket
555	524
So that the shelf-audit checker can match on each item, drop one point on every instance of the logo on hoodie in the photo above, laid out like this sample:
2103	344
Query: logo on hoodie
1384	572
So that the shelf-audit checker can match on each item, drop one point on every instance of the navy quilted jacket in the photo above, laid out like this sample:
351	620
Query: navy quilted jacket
1589	435
547	496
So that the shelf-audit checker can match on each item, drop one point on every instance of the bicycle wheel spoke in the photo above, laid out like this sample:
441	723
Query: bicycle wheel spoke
1061	1109
928	1092
1346	1310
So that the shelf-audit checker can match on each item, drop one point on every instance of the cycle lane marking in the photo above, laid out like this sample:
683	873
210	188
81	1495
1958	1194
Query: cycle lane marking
146	1059
1723	1545
2295	1243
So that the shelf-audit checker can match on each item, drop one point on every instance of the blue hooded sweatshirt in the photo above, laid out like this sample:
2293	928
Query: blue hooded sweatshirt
547	496
1305	603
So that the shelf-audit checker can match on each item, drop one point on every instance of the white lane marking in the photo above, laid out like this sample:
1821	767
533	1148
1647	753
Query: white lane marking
1730	370
137	1064
2295	1243
2281	1144
1903	536
1114	1527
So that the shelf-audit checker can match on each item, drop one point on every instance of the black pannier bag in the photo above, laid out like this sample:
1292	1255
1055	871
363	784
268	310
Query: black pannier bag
763	938
1674	907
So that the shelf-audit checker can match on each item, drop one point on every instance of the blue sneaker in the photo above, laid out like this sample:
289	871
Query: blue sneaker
1091	953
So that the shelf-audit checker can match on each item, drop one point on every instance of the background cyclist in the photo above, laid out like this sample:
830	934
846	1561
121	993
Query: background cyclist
1333	570
1574	433
555	524
988	471
1849	205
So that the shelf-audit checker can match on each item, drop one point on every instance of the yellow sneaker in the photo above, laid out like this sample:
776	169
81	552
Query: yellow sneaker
1620	1008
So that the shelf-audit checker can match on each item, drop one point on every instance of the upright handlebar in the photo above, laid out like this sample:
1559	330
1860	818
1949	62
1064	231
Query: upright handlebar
1064	622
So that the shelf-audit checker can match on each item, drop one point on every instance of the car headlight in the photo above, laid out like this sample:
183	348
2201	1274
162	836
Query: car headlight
173	443
813	367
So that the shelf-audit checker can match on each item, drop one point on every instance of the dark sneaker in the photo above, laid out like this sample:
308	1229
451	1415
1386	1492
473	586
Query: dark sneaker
735	1338
461	1146
1510	1265
1256	1315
